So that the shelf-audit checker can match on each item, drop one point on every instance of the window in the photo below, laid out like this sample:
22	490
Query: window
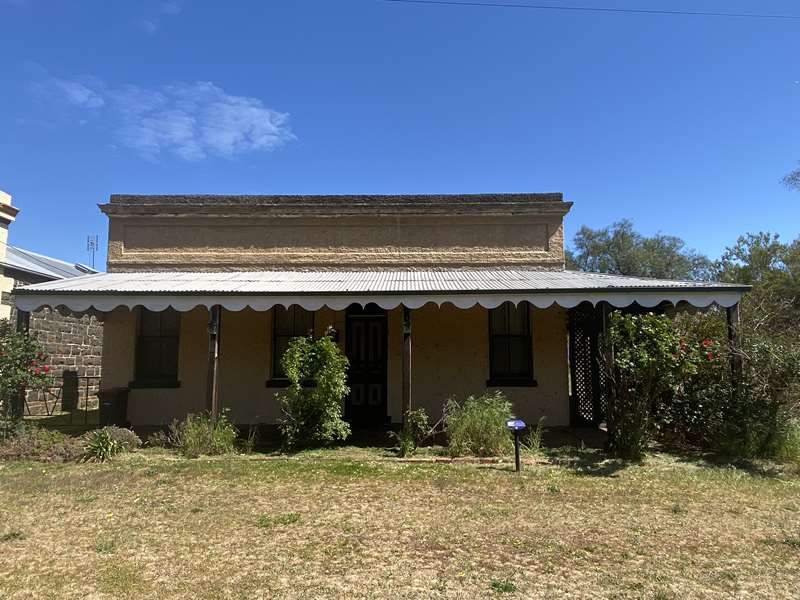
510	355
288	323
157	348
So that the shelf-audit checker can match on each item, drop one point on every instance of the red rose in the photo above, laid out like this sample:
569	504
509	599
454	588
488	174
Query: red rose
46	368
707	342
709	356
38	371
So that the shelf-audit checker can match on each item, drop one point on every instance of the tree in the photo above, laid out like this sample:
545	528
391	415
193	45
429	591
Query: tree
773	269
792	180
619	249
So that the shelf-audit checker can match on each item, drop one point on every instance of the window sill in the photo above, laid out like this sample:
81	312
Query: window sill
500	382
277	383
148	385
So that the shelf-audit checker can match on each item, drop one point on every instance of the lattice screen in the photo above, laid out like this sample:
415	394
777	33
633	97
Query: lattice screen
588	399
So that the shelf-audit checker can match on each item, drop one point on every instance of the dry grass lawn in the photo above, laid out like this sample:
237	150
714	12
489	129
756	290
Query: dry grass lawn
354	524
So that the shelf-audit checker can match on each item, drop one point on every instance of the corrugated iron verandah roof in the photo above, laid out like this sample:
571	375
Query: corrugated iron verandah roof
261	290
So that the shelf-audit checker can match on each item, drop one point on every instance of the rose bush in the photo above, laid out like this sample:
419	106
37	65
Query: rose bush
22	366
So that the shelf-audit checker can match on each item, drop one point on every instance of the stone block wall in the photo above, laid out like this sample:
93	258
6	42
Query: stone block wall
72	342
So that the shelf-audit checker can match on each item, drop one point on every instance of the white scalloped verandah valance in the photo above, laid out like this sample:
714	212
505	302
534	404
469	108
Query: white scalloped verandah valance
337	290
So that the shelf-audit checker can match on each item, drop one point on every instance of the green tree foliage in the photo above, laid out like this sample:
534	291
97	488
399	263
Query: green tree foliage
312	404
773	269
619	249
21	367
792	179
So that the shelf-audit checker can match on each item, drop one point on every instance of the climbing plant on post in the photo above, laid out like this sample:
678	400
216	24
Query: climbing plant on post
312	404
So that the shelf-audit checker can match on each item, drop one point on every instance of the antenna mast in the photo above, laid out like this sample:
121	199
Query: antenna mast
92	243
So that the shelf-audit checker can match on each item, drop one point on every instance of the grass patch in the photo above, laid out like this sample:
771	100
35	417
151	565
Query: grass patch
677	509
504	586
12	536
105	547
267	521
150	525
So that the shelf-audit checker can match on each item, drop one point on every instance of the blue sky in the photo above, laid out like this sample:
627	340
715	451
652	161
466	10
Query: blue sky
683	124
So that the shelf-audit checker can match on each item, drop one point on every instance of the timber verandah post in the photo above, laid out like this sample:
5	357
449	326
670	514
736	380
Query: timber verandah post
732	319
212	392
406	362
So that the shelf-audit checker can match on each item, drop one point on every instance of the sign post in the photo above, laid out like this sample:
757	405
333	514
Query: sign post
516	426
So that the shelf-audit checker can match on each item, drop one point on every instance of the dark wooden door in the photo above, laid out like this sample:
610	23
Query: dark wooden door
366	349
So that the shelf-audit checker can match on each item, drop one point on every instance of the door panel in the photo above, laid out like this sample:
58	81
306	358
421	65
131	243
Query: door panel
366	350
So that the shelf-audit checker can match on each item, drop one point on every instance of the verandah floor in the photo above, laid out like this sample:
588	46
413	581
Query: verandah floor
360	525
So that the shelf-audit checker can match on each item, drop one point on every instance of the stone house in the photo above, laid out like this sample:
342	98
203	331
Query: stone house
72	341
432	296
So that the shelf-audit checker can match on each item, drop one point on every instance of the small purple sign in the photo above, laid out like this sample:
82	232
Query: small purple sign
515	424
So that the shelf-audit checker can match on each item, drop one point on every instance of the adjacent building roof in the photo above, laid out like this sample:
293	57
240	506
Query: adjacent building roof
464	288
39	264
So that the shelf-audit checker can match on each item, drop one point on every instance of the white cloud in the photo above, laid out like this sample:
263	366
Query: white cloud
74	92
192	121
171	8
149	26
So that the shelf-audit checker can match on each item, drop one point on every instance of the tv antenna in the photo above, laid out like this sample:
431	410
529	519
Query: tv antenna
92	243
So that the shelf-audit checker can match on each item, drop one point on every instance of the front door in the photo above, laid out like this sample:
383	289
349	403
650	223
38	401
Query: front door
365	346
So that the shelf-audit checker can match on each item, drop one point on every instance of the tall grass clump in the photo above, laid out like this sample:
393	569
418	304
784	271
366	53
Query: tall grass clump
477	426
199	434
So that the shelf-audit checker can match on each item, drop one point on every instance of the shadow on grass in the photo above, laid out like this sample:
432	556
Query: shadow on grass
754	467
591	462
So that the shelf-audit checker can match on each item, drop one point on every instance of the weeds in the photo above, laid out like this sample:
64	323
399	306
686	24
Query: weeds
199	434
477	426
105	547
504	586
12	536
268	521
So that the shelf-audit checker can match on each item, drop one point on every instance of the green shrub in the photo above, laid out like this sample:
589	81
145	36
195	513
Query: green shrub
415	430
198	434
101	445
754	416
129	440
644	362
787	445
21	367
28	442
312	404
477	426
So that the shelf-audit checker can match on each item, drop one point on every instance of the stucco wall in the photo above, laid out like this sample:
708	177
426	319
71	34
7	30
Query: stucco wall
6	282
157	406
449	357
